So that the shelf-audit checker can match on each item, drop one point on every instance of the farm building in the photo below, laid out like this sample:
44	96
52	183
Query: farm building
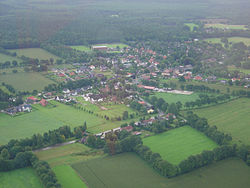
43	102
100	48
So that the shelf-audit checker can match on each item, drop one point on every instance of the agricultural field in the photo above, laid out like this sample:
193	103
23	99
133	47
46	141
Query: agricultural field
178	144
226	26
21	178
232	117
82	48
173	98
38	53
43	119
67	177
67	154
231	40
191	25
111	172
4	58
24	81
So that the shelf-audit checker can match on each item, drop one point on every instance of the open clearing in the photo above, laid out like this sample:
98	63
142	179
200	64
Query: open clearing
178	144
21	178
191	25
233	68
173	98
67	177
128	170
232	117
44	119
38	53
68	154
26	81
225	26
4	58
245	40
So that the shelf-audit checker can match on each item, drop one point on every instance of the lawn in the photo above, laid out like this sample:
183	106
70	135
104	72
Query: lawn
178	144
191	25
226	26
173	98
67	154
21	178
26	81
44	119
67	177
128	170
4	58
38	53
82	48
245	40
232	117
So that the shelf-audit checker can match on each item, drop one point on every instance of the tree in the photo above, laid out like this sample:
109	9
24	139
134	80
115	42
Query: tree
5	154
173	109
125	115
182	79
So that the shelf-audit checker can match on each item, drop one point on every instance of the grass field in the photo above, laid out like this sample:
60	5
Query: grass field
173	98
178	144
191	25
67	177
4	58
81	48
233	68
225	26
67	154
38	53
26	81
44	119
232	117
245	40
21	178
128	170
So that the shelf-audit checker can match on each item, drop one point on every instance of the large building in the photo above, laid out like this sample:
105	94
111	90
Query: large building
100	48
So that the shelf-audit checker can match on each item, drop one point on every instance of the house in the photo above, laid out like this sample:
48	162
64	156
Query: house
31	100
99	48
66	91
199	78
43	102
26	108
127	128
150	111
137	133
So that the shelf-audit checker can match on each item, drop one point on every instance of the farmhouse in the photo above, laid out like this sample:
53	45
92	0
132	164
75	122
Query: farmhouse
43	102
31	100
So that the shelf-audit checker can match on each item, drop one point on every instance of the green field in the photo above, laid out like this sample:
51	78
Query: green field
38	53
21	178
26	81
67	154
4	58
173	98
245	40
67	177
82	48
178	144
233	68
226	26
128	170
44	119
232	117
191	25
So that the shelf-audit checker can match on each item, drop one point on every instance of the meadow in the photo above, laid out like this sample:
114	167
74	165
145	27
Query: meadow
226	26
173	98
38	53
67	177
231	40
43	119
4	58
128	170
233	68
232	117
191	26
21	178
82	48
67	154
178	144
25	81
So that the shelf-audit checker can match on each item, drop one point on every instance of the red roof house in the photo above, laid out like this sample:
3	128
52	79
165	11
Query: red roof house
128	128
43	102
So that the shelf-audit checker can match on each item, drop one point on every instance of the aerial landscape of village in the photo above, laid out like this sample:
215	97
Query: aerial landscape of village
124	94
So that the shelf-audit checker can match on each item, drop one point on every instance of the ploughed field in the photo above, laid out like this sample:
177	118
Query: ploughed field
178	144
232	117
128	170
